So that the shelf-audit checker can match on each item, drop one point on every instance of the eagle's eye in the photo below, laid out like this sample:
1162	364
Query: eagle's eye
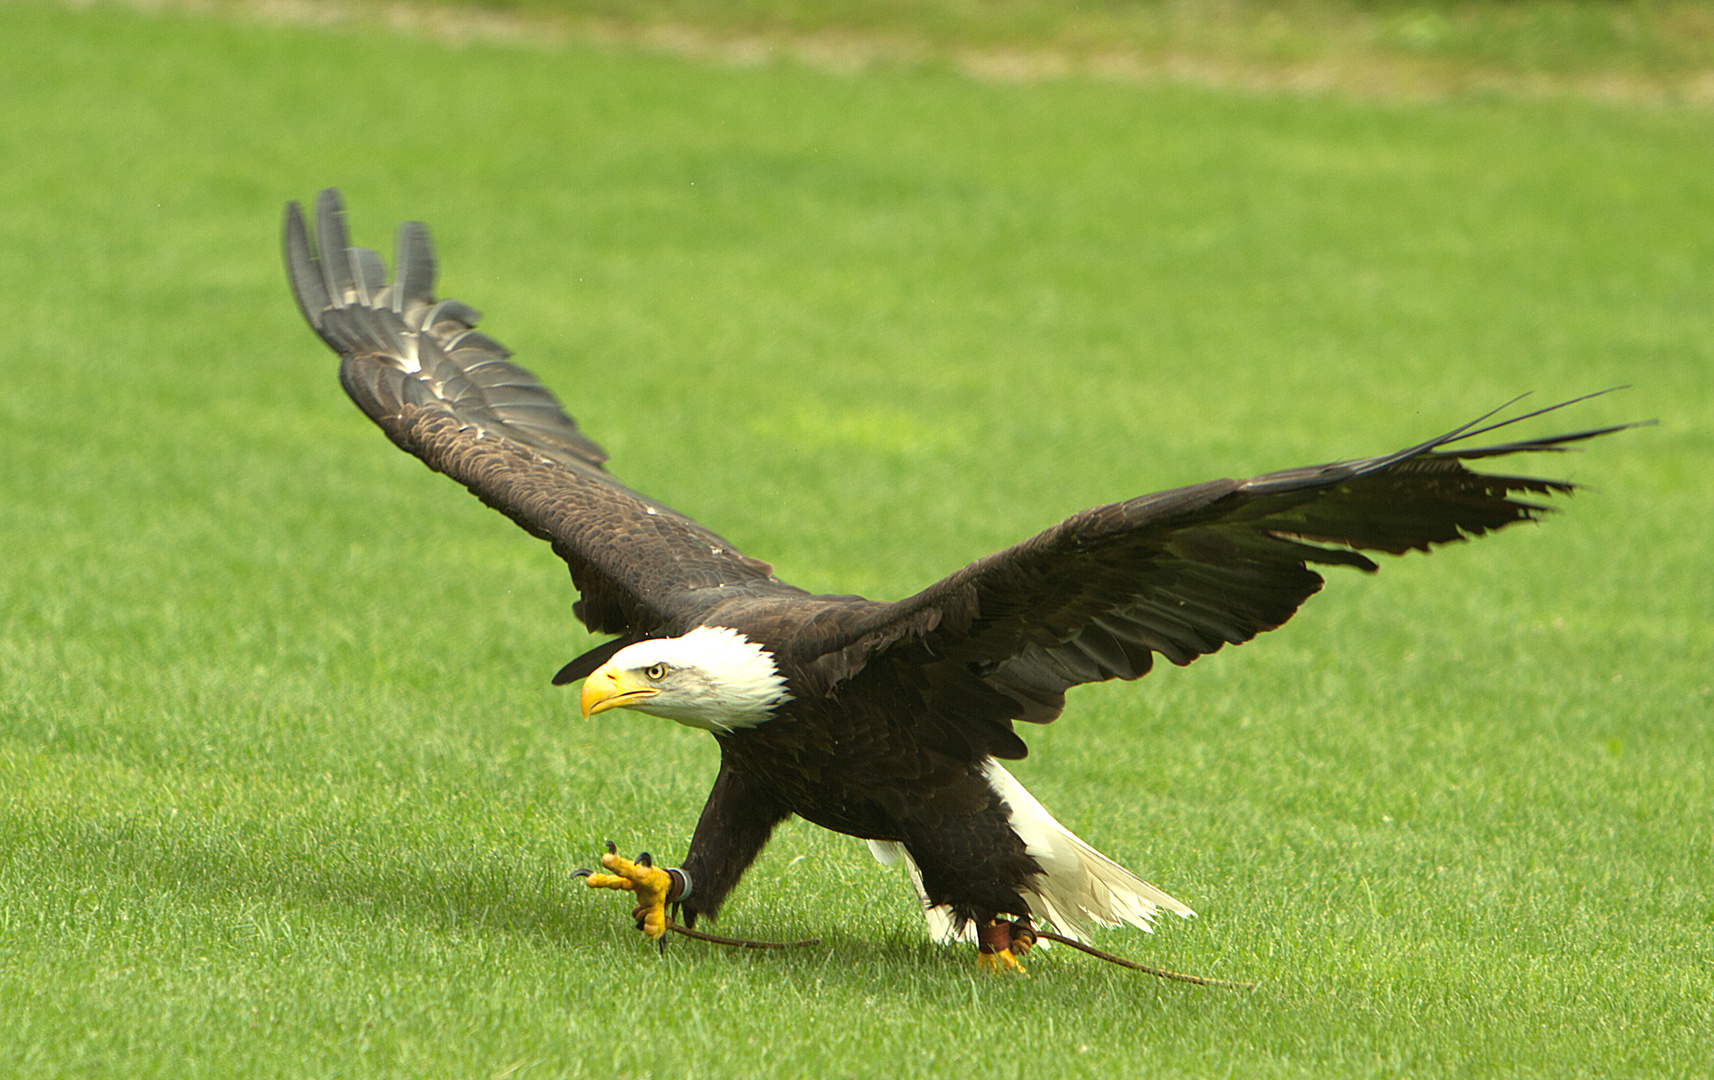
655	672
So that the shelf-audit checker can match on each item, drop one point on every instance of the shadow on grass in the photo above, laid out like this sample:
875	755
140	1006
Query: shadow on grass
143	874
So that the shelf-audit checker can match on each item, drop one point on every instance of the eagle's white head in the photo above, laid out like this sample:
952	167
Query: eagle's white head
712	678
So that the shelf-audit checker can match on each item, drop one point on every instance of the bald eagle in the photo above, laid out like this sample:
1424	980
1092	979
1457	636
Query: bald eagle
885	721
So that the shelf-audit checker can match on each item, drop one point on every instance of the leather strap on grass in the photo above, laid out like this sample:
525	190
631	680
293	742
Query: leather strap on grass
738	943
1159	973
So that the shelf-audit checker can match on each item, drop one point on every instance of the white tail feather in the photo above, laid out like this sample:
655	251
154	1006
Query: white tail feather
1078	886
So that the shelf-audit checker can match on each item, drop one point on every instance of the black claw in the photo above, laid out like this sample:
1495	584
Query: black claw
612	848
645	859
582	871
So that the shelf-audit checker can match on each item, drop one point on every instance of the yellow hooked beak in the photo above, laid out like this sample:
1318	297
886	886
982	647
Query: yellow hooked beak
609	688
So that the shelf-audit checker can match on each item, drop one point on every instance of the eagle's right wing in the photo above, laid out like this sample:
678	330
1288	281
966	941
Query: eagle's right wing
452	397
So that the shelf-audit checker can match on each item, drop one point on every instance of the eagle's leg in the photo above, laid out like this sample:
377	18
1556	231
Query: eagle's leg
976	866
1002	943
653	887
735	825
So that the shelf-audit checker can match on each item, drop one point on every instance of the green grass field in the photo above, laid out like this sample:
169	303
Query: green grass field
284	790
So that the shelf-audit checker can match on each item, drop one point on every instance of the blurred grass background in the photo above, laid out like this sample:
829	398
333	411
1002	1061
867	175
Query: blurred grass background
1649	50
284	790
1559	36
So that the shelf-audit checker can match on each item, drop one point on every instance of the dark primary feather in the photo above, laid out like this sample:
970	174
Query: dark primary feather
451	396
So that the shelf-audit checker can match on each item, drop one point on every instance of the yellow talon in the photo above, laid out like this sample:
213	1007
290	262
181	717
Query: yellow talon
1002	943
1001	960
649	883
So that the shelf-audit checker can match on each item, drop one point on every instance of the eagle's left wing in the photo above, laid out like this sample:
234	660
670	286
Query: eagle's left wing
1182	573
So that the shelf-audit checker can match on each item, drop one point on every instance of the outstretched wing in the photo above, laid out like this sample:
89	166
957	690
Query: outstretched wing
1181	573
452	397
